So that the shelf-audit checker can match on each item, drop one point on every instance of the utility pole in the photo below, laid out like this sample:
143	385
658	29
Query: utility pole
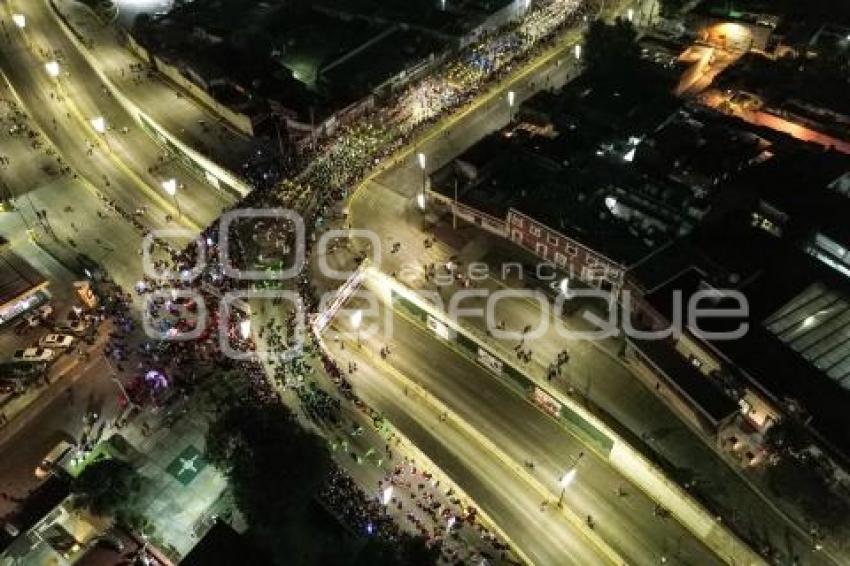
454	209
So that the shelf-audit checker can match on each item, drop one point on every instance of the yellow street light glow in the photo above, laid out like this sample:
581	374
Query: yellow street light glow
511	98
20	20
356	319
420	200
387	495
52	68
577	51
421	158
170	186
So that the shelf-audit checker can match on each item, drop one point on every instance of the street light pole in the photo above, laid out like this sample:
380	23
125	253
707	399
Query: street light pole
114	376
422	162
99	125
568	478
170	187
454	209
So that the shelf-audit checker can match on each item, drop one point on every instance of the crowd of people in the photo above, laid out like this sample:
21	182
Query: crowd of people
337	164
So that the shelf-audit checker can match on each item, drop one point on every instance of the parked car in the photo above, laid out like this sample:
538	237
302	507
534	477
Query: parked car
74	327
34	355
39	315
53	458
18	370
57	341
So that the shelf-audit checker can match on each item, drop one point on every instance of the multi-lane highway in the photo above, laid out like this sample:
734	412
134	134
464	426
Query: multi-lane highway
523	433
126	165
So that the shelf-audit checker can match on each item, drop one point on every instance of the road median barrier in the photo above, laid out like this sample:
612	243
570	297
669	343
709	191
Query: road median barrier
205	169
596	435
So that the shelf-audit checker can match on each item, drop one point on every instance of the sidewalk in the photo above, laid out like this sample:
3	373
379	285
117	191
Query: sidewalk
22	410
380	454
164	102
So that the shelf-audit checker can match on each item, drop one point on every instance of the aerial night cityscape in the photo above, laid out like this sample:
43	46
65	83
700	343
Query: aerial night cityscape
424	282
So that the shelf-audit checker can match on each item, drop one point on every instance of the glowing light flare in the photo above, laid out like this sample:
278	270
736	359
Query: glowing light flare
245	329
356	319
52	68
387	495
170	186
99	124
568	479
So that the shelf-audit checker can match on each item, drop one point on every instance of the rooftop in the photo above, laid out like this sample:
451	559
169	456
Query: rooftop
16	275
311	59
816	325
716	404
776	277
455	18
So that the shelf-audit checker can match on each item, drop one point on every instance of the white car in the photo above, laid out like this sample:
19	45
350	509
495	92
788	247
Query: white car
40	314
53	458
34	355
57	341
76	327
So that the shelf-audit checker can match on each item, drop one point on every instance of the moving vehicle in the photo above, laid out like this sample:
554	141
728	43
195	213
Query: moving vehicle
57	341
53	458
34	355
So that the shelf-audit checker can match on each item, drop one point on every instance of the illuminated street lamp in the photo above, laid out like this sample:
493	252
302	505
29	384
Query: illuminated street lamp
356	319
99	124
245	328
20	20
420	198
577	51
568	478
170	187
387	495
630	14
511	101
52	68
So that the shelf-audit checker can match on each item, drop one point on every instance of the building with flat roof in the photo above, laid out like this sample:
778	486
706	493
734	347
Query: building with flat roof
593	180
780	243
307	67
21	286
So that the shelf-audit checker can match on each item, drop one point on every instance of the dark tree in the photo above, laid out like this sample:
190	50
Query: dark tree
407	551
670	8
611	50
107	487
274	465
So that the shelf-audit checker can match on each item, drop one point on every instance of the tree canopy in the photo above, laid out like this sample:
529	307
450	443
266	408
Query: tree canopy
275	469
107	487
611	50
671	8
407	551
275	466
